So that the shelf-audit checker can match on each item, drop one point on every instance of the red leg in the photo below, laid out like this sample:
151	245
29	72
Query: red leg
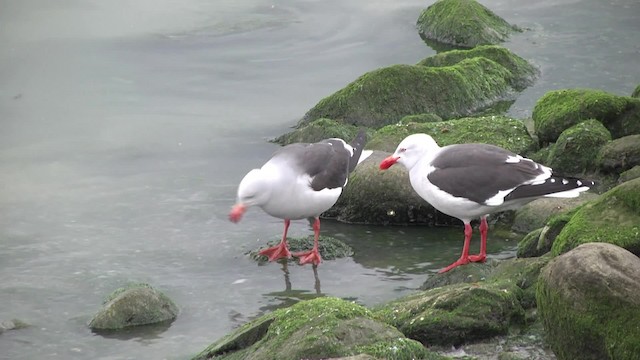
484	229
464	257
281	250
311	256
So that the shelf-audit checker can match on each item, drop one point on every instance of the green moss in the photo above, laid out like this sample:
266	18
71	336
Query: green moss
560	109
384	96
502	131
630	174
399	349
318	130
528	246
329	247
464	23
636	92
613	218
577	148
420	118
523	73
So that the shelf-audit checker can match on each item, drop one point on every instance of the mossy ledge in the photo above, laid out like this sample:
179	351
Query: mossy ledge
383	96
464	23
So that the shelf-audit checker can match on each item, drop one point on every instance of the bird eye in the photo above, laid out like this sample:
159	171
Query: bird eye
402	150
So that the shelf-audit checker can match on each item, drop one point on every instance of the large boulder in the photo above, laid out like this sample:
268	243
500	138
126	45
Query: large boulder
523	73
464	23
620	154
537	213
456	314
577	148
383	96
134	305
613	218
502	131
316	329
589	302
558	110
630	174
318	130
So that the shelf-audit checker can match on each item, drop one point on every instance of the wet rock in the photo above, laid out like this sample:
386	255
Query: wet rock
558	110
384	96
375	197
134	305
13	324
523	273
589	302
464	23
420	118
613	218
316	329
456	314
620	154
537	213
523	74
577	148
636	92
329	247
318	130
630	174
502	131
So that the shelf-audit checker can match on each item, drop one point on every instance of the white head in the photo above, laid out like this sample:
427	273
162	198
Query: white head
253	190
411	150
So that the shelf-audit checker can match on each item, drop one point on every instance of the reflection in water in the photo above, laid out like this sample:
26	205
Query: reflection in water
289	296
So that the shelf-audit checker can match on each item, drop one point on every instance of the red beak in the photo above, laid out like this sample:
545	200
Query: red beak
387	162
236	212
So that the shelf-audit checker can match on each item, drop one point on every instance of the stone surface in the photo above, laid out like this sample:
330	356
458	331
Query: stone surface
576	150
318	130
535	214
137	304
620	154
589	302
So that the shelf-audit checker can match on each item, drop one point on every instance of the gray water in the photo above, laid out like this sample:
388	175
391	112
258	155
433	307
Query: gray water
126	126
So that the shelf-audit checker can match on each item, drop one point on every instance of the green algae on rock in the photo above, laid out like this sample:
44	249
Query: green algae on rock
537	213
523	74
383	96
589	302
134	305
612	218
464	23
636	92
329	247
558	110
620	154
318	130
502	131
577	148
314	329
630	174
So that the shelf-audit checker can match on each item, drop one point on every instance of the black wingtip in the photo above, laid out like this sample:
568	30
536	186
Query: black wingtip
358	145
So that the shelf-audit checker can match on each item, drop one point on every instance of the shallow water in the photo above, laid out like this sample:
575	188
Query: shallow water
125	130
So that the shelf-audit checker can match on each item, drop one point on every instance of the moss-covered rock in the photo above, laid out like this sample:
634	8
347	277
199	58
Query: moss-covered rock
455	314
375	197
329	247
318	130
502	131
558	110
464	23
589	302
620	154
524	274
523	73
535	214
576	150
13	324
420	118
630	174
134	305
539	242
636	92
613	218
316	329
385	95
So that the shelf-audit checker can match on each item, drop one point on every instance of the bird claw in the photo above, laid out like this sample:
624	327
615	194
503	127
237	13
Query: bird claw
461	261
477	258
276	252
311	256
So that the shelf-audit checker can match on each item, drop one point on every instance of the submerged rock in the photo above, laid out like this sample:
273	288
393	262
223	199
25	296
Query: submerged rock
589	302
558	110
13	324
137	304
613	218
464	23
386	95
620	154
316	329
576	150
329	247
